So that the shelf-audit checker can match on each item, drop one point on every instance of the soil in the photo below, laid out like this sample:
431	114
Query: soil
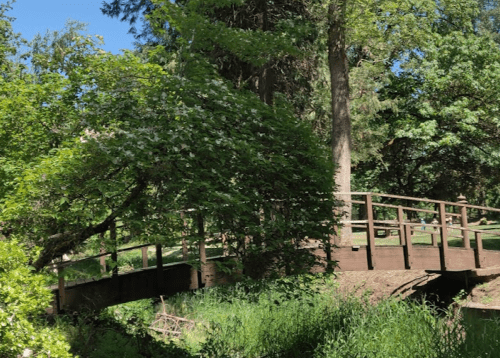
412	284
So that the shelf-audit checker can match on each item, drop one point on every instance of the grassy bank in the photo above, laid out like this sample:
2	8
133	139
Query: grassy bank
294	317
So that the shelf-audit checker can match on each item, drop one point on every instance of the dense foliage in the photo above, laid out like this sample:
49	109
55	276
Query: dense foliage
23	296
391	49
139	140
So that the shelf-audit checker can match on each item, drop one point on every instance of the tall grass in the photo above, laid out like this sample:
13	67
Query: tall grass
305	317
297	317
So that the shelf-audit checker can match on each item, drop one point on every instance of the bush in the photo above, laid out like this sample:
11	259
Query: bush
23	297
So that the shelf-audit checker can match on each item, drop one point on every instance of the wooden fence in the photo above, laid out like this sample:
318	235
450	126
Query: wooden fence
438	231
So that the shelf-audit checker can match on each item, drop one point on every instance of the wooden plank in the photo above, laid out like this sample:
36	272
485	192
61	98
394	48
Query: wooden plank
490	258
370	232
356	258
487	232
426	258
409	208
144	257
459	258
390	258
351	259
353	221
444	236
486	272
356	226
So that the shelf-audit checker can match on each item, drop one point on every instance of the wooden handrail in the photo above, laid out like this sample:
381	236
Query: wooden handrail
405	208
432	201
71	262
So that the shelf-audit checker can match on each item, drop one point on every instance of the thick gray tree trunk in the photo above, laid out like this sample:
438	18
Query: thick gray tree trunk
341	119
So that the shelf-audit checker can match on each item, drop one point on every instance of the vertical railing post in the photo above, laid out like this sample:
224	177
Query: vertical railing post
434	237
203	253
444	236
144	251
370	233
401	223
102	251
225	246
408	249
114	253
336	236
60	285
185	252
102	260
463	221
159	268
479	255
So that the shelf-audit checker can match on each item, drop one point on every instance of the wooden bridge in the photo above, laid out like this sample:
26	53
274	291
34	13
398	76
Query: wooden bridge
446	245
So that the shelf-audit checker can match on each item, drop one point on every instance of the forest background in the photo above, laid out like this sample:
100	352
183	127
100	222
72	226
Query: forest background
244	111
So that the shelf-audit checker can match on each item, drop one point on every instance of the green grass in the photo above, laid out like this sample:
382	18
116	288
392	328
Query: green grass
490	241
294	317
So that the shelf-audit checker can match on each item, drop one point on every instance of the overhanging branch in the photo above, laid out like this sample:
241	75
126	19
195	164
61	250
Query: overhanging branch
58	244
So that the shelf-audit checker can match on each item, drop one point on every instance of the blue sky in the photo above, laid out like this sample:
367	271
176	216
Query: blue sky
36	16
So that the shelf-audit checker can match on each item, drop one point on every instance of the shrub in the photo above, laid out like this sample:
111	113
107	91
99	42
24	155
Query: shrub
23	297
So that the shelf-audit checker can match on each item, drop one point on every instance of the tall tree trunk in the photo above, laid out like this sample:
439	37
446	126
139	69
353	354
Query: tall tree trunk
266	75
341	119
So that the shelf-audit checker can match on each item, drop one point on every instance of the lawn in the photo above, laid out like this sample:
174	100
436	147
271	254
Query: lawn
490	241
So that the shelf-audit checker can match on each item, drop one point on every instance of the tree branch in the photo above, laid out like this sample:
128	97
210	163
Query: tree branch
60	243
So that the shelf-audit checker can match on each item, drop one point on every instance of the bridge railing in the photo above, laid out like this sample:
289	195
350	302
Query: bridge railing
403	212
60	267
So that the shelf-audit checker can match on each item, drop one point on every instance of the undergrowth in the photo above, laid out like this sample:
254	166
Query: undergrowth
300	316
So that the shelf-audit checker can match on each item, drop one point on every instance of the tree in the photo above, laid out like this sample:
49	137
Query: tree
443	137
341	121
139	143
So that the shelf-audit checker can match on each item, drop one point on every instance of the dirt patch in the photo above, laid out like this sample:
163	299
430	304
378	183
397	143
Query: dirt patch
377	285
439	290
